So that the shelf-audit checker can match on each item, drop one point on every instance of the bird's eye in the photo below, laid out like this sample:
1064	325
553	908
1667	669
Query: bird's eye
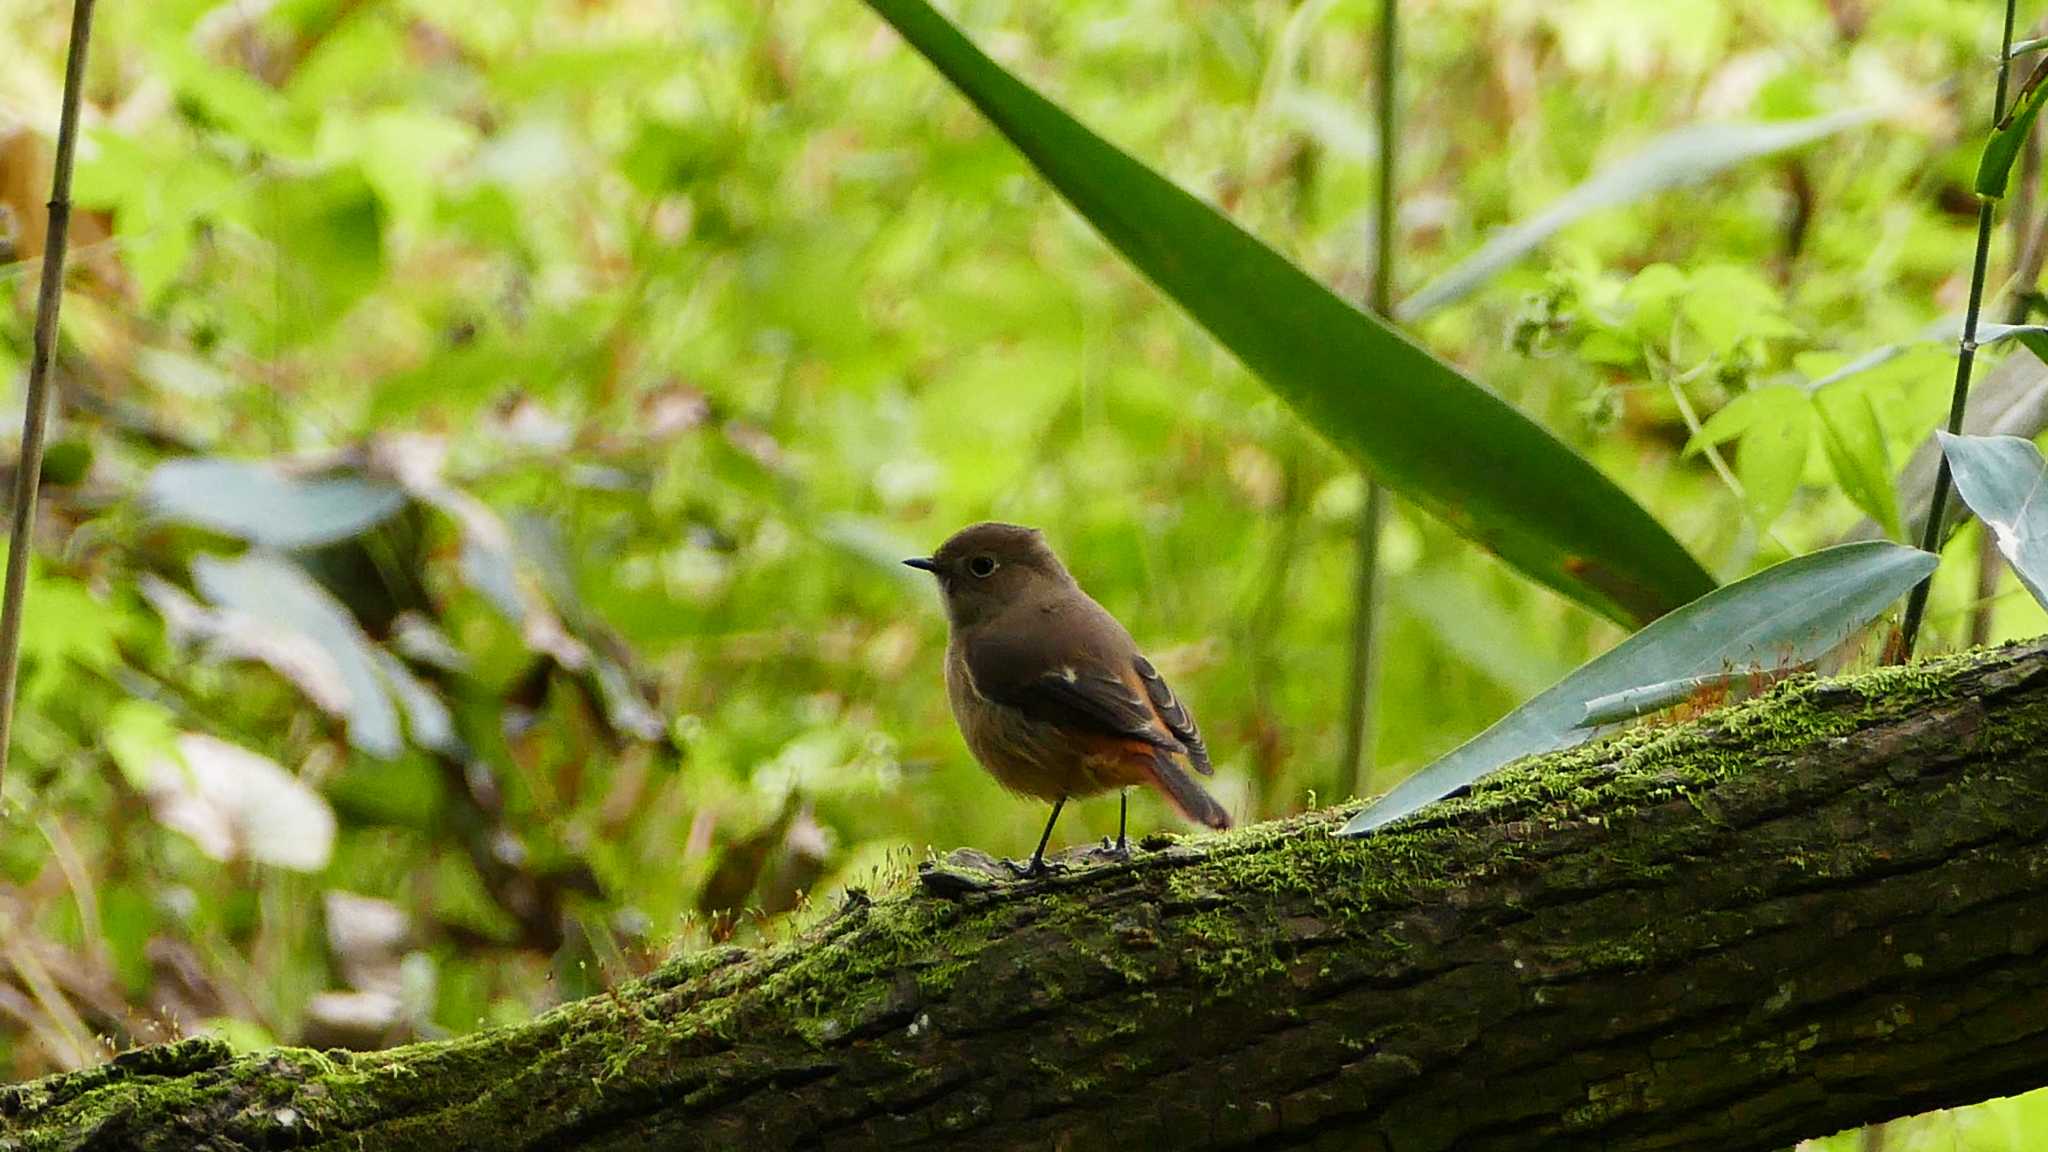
982	566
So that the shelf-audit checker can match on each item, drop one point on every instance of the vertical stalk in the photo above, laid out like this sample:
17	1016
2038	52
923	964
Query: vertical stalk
28	470
2028	234
1359	725
1966	360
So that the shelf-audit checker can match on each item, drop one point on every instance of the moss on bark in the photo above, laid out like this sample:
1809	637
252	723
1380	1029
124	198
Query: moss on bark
1825	906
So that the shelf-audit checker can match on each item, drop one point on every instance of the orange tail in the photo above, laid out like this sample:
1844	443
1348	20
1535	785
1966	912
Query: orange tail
1175	783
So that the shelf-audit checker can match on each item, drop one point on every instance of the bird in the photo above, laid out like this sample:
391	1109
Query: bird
1050	692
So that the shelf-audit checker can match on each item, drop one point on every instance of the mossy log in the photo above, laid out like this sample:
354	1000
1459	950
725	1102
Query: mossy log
1824	907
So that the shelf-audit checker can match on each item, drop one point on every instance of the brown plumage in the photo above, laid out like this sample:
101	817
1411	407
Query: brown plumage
1050	692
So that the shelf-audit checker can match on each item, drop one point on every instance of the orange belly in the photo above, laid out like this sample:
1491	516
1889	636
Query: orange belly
1036	758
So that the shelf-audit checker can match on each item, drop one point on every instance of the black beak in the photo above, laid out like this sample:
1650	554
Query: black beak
923	562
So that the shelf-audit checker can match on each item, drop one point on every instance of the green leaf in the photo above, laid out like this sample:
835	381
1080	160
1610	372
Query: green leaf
67	461
1994	171
403	156
1683	156
1782	617
264	505
1776	427
2001	479
1729	305
328	233
666	156
1855	445
1745	412
1772	458
65	624
137	734
159	193
1417	424
2011	401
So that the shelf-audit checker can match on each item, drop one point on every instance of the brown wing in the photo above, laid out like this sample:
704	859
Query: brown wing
1031	673
1174	715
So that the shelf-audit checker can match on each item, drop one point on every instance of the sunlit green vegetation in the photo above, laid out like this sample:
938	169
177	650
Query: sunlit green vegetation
588	367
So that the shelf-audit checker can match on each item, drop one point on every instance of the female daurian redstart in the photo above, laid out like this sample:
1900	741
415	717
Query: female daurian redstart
1050	692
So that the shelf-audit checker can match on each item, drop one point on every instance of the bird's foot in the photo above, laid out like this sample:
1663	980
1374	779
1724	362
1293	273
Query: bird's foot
1118	849
1038	867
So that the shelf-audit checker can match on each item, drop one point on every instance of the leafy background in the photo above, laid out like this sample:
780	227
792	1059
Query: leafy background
487	434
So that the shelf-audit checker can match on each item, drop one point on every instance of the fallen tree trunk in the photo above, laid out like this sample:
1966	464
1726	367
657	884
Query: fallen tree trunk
1822	908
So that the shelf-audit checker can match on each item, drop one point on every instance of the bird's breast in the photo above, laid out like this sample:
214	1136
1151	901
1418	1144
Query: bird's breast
1032	756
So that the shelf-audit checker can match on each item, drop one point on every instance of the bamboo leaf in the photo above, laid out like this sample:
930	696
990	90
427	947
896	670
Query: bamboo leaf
1994	171
1782	617
2003	479
1684	156
1422	428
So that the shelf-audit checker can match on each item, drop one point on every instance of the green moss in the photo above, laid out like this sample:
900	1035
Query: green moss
1233	910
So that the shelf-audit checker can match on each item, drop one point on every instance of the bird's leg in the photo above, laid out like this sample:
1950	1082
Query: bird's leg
1038	866
1119	848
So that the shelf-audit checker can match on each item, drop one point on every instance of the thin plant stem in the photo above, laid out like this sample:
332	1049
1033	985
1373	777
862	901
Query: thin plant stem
2027	236
1966	360
28	470
1359	720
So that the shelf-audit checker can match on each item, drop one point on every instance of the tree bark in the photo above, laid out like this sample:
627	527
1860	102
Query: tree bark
1825	907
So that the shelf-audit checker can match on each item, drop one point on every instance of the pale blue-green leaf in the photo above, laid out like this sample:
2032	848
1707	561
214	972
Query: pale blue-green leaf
1947	330
2012	400
427	718
263	505
2030	335
2002	478
1632	703
1784	616
280	595
1875	358
238	805
1686	155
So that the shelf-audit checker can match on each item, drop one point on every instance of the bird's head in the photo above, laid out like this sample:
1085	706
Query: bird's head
984	569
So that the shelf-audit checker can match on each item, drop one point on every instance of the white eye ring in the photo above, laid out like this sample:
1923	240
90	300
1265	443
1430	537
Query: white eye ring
982	567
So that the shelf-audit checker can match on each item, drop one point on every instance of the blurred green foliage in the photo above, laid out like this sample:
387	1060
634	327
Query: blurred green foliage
676	326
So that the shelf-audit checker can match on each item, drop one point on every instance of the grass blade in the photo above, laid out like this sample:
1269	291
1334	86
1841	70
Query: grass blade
1421	427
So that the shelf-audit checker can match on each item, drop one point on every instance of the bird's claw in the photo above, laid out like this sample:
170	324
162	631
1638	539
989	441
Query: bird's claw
1038	867
1118	849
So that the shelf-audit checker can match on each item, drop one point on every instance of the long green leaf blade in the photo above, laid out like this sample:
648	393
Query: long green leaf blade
1782	617
1422	428
1682	156
2002	151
